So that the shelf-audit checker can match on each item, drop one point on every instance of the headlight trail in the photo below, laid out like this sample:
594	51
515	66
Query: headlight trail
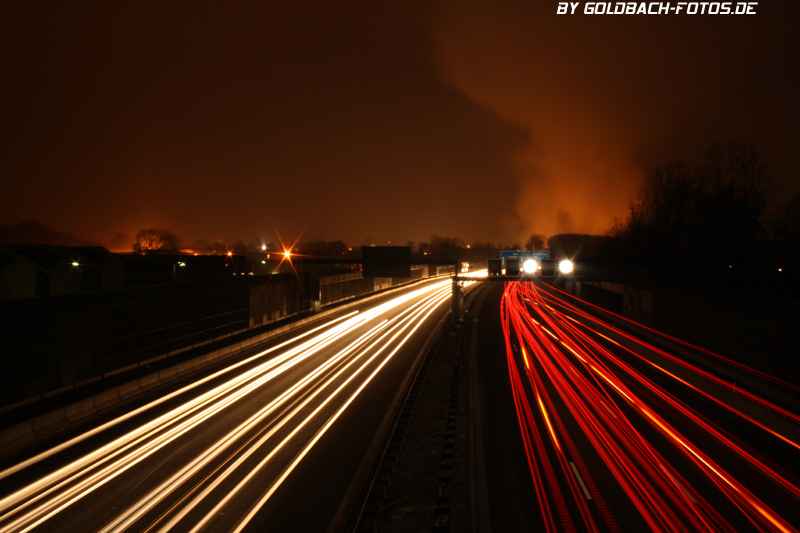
565	355
61	447
309	402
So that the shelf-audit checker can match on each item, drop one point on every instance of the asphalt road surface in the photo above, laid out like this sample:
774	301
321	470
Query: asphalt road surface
276	442
591	428
583	425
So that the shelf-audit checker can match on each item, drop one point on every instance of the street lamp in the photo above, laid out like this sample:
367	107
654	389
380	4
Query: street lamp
178	264
80	275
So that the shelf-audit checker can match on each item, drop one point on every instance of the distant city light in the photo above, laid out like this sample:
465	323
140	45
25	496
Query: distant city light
263	246
287	253
75	263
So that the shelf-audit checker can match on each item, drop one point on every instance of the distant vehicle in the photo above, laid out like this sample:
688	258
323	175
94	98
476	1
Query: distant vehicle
550	268
534	264
464	267
496	267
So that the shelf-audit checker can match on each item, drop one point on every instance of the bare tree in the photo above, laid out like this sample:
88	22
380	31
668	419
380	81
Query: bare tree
446	245
710	211
337	248
156	240
535	242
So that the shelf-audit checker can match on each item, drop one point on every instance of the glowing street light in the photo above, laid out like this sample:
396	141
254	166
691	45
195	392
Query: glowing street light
174	273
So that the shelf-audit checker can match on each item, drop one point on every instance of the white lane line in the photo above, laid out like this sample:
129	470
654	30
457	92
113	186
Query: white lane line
580	480
678	483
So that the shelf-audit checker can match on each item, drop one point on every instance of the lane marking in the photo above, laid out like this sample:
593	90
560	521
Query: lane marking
680	486
580	480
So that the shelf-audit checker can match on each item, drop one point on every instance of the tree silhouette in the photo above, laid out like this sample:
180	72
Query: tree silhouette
535	242
156	240
711	214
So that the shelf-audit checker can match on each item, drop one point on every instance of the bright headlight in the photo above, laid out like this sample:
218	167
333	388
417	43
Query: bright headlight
565	266
529	266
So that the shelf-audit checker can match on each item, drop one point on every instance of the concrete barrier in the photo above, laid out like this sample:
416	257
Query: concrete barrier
150	381
40	426
106	399
199	362
212	357
16	435
81	409
50	422
184	368
168	374
129	390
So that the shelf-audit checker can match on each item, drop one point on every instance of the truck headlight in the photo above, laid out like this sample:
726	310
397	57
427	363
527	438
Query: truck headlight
529	266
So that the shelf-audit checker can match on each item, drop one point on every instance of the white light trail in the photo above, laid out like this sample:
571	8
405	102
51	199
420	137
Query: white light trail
40	501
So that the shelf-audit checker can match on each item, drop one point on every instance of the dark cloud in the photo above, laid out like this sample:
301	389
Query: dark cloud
483	121
206	118
606	97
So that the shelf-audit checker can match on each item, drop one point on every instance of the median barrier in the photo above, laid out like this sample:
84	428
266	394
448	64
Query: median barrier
200	362
16	435
40	426
168	374
49	422
80	409
129	390
149	381
216	355
106	399
182	368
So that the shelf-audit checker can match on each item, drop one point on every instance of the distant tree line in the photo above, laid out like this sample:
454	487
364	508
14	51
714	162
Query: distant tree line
709	218
156	241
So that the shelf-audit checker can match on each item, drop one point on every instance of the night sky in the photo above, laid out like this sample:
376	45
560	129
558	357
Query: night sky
484	121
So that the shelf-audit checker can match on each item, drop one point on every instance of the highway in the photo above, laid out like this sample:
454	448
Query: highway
583	425
617	434
277	441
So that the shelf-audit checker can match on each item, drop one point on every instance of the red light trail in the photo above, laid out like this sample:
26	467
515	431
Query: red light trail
560	355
